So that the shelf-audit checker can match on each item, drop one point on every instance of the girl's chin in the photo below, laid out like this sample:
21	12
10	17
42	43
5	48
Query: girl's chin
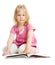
21	21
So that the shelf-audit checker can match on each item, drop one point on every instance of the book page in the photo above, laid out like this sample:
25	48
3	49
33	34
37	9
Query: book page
16	56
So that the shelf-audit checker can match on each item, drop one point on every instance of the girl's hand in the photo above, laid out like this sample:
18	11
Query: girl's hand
7	51
26	51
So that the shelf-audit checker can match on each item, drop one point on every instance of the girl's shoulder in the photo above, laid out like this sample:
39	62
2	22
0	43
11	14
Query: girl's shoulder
30	27
14	29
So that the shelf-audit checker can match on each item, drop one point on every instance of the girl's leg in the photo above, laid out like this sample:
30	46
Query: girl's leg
13	48
21	48
33	50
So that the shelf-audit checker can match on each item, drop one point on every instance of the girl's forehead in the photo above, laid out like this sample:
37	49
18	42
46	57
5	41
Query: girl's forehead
21	11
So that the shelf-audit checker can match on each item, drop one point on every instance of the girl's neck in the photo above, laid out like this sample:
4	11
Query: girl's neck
21	25
21	28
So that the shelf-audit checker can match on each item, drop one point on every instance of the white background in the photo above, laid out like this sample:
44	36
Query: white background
42	16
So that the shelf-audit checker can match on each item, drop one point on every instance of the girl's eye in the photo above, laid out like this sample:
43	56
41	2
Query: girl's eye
23	15
18	15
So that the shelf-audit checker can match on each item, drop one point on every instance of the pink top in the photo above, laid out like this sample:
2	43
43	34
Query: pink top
22	38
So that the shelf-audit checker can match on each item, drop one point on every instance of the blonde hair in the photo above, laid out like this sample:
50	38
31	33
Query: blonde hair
17	10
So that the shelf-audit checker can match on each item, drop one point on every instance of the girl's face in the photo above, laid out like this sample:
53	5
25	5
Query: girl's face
21	16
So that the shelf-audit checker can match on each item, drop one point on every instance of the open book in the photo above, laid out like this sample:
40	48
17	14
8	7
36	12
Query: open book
26	56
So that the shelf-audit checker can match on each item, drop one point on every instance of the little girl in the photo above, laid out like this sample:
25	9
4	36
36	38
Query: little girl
25	41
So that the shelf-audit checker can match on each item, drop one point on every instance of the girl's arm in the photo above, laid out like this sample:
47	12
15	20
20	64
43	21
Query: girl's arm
29	40
9	42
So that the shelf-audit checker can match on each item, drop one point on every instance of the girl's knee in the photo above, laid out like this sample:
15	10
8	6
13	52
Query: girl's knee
21	48
13	48
33	50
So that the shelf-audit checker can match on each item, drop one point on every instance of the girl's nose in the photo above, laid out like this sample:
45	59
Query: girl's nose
21	16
